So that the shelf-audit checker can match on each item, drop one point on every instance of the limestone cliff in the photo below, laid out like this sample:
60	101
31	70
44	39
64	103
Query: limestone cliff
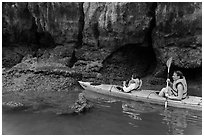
116	24
98	30
178	33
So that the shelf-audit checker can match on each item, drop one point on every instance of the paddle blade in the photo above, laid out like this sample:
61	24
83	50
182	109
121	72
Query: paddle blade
168	63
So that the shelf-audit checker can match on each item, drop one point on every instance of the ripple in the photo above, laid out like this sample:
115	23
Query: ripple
132	115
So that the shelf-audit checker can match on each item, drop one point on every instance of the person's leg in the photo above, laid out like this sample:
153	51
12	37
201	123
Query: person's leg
162	92
120	88
170	92
125	89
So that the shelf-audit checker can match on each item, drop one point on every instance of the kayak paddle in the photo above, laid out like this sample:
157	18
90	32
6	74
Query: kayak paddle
168	64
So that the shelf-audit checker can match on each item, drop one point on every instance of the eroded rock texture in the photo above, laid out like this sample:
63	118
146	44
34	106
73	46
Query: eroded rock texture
115	24
105	27
178	33
61	20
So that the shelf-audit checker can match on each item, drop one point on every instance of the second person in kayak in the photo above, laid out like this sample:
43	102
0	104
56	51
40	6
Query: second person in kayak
134	84
176	90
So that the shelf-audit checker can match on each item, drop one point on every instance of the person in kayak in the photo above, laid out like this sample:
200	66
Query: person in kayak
134	84
176	90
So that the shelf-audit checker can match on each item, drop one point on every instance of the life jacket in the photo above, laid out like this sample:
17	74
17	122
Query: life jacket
184	84
137	82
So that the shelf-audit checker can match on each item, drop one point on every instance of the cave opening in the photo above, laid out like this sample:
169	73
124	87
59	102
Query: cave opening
127	60
192	74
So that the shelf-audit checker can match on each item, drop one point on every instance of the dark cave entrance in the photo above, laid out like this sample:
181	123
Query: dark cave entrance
127	60
192	74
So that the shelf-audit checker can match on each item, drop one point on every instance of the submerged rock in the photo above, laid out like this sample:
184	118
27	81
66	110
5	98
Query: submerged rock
81	105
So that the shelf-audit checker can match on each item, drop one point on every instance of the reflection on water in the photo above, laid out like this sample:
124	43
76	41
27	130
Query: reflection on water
110	116
177	121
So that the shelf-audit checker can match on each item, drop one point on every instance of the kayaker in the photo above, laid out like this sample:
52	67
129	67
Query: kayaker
176	90
134	84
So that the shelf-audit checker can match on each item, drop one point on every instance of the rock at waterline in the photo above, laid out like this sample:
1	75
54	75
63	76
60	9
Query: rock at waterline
12	106
80	106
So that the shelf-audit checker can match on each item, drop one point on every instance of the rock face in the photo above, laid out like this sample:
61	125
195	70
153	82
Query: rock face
14	53
42	23
108	26
61	20
115	24
40	26
18	25
178	34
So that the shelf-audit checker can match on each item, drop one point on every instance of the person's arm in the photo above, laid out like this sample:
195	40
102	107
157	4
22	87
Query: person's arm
169	82
180	93
124	84
129	88
140	84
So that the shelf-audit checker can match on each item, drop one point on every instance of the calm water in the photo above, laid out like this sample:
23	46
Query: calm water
110	116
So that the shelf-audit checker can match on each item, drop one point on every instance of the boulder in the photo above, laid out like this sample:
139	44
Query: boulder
14	53
61	54
81	105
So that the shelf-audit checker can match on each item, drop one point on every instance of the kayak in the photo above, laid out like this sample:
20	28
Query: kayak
151	96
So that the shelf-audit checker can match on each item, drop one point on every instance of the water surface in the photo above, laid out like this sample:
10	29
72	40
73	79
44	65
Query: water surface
110	116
